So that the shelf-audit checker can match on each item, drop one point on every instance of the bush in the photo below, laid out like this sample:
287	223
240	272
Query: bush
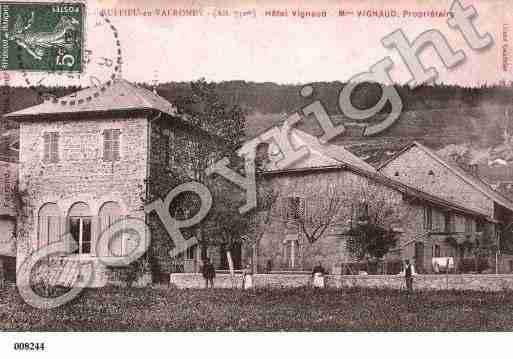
391	267
467	265
394	267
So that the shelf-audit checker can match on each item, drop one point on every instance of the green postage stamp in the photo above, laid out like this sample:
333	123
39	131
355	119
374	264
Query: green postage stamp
42	36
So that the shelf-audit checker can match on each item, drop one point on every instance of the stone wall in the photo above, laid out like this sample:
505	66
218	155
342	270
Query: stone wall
417	169
81	174
7	238
330	248
8	178
487	282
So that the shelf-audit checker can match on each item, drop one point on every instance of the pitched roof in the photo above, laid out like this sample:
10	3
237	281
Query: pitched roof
113	96
319	154
474	181
405	189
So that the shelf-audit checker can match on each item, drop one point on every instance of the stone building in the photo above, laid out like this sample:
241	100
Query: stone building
419	218
8	175
418	166
96	157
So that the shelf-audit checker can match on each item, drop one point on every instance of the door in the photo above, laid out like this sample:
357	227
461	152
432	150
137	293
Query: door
419	257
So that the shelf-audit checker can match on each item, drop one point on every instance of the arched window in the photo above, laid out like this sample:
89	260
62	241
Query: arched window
109	213
79	226
48	223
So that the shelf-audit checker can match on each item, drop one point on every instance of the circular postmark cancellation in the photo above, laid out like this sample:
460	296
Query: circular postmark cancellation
45	41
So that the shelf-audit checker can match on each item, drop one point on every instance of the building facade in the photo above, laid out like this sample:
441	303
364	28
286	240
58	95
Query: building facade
87	165
8	174
424	223
416	165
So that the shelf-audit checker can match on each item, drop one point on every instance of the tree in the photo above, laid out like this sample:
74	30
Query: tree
484	247
200	105
261	217
372	228
317	214
204	107
365	213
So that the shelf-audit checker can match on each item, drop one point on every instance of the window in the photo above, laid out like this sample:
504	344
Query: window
48	223
110	213
469	228
6	190
79	225
428	218
292	208
448	220
51	147
164	151
436	251
111	145
7	183
361	212
479	225
191	251
171	149
211	158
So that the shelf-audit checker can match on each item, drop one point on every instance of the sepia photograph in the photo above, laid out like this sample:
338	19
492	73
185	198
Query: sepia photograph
288	174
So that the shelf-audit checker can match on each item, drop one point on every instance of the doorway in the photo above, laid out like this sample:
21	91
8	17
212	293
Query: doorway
419	257
236	252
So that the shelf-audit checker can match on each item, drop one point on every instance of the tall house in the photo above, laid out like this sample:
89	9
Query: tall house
98	156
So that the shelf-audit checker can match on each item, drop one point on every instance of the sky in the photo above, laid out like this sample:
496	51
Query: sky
282	49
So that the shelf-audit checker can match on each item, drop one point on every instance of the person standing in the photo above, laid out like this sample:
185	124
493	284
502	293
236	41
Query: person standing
408	275
318	276
247	277
209	273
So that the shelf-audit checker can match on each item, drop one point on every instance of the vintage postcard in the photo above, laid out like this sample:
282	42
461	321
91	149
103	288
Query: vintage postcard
254	166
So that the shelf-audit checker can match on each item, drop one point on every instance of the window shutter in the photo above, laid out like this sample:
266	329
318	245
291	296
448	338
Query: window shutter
105	222
115	145
54	147
284	205
165	150
302	208
352	216
51	147
111	147
428	218
46	152
107	145
86	236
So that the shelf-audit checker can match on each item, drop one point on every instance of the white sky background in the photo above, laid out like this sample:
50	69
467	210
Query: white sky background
285	50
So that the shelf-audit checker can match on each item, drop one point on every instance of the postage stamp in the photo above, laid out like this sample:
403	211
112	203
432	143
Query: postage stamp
42	36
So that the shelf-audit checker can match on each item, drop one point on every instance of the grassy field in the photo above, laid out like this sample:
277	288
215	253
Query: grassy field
124	309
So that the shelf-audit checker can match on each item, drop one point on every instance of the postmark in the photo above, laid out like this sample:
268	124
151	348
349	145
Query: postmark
42	36
101	65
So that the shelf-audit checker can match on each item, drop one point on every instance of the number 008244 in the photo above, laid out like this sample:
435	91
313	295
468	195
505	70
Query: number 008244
29	346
